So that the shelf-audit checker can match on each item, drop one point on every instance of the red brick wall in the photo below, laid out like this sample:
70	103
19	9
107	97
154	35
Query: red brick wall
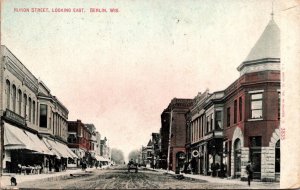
269	81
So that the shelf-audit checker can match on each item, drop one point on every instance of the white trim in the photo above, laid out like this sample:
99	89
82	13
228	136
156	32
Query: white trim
258	119
278	90
255	91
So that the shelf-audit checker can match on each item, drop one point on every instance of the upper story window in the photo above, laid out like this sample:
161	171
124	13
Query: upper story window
20	101
72	138
25	106
235	111
33	112
43	115
228	116
29	112
218	120
8	93
256	105
240	108
207	124
14	97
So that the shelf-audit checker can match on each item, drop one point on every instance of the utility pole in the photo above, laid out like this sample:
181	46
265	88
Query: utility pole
169	144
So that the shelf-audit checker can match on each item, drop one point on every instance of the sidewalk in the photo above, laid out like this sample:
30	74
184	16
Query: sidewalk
210	179
5	180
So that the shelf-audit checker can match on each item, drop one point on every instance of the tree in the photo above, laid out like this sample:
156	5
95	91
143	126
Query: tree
134	154
117	156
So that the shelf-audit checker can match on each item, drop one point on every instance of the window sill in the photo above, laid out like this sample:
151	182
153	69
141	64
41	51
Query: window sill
258	119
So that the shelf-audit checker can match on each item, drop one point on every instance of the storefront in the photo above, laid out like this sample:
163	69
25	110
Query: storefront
24	151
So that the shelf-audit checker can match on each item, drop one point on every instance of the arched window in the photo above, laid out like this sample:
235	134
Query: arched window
7	94
25	106
277	157
20	101
29	110
14	97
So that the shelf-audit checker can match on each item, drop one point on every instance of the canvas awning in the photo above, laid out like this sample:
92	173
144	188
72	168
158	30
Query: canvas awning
59	149
16	138
99	158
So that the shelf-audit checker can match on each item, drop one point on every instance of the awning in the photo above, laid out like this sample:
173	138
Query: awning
40	144
16	138
99	158
59	149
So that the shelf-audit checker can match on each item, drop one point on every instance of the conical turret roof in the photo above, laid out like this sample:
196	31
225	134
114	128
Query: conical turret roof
268	45
265	54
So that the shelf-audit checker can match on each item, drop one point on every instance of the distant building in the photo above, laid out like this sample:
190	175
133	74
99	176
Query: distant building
79	139
177	127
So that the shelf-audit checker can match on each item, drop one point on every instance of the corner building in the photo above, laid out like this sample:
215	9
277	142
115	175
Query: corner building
252	111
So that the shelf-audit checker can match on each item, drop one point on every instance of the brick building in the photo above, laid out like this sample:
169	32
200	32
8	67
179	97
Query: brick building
79	139
252	111
176	130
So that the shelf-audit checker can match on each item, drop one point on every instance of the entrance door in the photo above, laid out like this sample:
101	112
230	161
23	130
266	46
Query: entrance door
237	158
255	156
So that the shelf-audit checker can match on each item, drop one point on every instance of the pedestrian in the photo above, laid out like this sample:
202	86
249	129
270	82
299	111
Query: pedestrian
249	170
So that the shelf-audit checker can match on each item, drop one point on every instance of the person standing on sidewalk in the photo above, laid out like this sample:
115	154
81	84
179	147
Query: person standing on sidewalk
249	170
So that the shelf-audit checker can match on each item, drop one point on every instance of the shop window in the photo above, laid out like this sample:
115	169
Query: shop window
228	116
218	120
7	94
277	157
14	97
235	111
256	105
43	115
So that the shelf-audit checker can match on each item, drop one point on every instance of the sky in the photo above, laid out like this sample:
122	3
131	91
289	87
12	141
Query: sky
120	70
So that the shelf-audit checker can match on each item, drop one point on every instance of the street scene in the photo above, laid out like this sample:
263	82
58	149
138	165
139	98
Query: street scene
118	177
141	95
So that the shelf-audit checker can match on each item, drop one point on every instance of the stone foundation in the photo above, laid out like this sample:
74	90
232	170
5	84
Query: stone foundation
268	163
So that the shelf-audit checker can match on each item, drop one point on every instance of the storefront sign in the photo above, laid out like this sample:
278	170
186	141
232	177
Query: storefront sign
12	116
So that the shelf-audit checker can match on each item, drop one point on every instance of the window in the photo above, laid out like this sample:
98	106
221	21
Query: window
33	111
277	157
25	106
235	111
7	93
72	138
29	112
20	101
240	108
218	120
211	121
278	105
43	115
14	97
256	106
228	116
207	124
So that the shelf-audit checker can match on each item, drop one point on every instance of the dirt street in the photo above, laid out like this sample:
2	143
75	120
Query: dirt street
119	178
